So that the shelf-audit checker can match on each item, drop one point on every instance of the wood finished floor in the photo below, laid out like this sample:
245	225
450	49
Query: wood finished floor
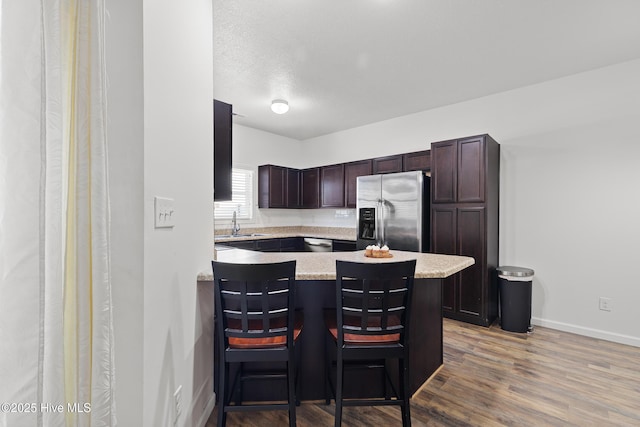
496	378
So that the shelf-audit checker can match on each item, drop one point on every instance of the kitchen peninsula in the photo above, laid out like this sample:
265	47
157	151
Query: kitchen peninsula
315	273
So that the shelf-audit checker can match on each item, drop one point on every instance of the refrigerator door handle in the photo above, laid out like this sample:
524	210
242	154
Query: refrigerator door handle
381	234
377	233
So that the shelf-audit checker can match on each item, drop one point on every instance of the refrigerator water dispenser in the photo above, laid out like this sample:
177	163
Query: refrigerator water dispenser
367	225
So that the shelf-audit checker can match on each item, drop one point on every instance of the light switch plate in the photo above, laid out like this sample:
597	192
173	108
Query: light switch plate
164	212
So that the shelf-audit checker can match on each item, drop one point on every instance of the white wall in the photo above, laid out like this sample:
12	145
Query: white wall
569	150
252	148
160	74
126	163
570	210
160	144
178	153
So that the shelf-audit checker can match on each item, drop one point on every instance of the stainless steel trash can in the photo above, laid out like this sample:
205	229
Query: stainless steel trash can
515	298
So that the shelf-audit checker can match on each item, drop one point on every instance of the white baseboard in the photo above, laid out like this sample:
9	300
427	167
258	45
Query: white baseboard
208	409
589	332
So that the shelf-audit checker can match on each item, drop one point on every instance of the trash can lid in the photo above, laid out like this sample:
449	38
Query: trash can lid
508	270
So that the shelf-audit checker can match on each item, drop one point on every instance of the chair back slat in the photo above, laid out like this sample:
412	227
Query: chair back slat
254	300
373	299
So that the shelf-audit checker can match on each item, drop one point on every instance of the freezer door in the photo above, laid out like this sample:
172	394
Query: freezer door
368	197
401	210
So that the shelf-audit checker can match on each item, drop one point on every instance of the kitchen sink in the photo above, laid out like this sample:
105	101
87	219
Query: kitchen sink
230	236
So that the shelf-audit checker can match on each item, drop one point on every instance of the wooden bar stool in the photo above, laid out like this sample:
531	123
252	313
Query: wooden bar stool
256	322
371	323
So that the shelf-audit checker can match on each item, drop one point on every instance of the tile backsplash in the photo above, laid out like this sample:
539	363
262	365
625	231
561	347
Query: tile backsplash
345	218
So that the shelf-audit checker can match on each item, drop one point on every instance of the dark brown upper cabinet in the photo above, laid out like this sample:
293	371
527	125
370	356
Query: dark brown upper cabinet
459	170
471	170
352	171
417	161
293	188
272	185
388	164
332	186
444	171
222	161
310	187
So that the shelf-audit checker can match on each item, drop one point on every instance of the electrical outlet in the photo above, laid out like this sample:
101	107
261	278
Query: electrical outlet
177	403
606	304
164	212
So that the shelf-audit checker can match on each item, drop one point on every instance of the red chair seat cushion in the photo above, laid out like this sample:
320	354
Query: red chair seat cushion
358	339
267	342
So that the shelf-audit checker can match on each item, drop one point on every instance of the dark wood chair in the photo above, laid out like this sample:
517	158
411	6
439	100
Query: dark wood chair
371	323
256	322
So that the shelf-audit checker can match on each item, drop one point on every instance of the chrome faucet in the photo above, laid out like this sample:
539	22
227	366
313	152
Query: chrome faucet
236	227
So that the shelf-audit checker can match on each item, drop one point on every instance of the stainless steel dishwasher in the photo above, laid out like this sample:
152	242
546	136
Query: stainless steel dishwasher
317	245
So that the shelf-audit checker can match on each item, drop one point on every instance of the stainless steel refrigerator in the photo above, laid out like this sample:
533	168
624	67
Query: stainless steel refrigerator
394	210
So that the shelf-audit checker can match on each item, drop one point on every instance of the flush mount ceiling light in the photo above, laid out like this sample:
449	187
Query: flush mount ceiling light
279	106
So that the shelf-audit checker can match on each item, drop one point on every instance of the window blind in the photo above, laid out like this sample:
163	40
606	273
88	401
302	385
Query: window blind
241	199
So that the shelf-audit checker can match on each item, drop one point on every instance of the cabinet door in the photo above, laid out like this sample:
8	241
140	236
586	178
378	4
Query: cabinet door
344	246
332	186
472	242
388	164
310	184
418	161
241	244
293	188
272	186
443	171
352	171
471	170
268	245
443	241
277	187
222	113
263	185
291	244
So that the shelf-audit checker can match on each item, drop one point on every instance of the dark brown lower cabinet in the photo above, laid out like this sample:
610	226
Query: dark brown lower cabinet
241	244
292	244
285	244
267	245
344	245
474	289
443	241
470	295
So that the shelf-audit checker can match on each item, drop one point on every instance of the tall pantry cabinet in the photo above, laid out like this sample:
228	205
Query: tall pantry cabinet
465	187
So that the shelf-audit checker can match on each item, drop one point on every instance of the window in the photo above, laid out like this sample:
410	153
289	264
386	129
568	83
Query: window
241	199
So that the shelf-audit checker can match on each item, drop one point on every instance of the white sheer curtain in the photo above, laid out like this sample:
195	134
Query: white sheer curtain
56	335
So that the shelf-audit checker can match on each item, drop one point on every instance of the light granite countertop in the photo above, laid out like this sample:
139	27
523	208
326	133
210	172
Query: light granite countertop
322	265
337	233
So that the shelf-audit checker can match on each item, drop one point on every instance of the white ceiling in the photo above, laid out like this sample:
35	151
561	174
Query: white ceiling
347	63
